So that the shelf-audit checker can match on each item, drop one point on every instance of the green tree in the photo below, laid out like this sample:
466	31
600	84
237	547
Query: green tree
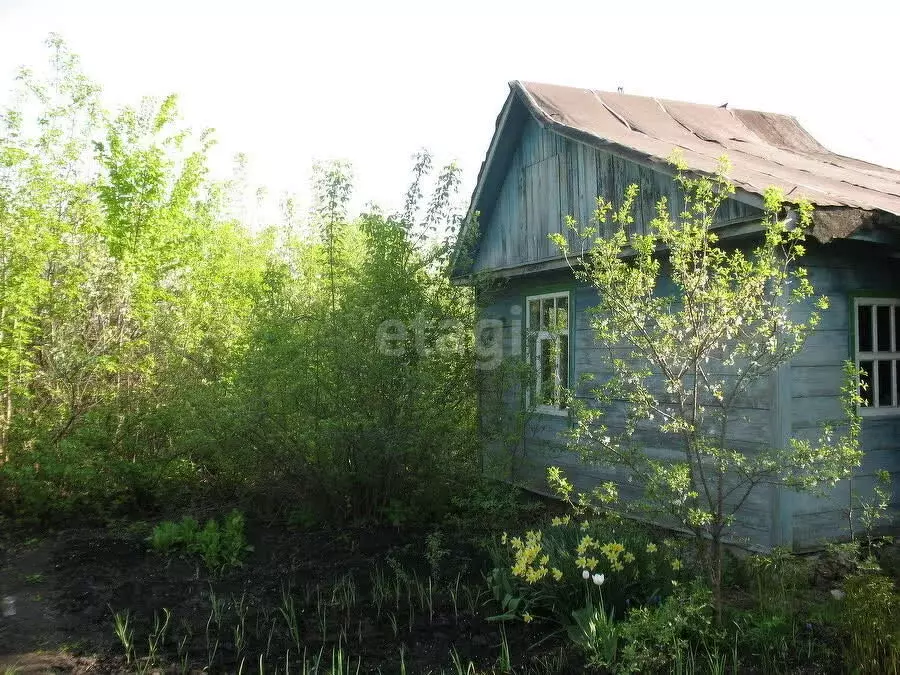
690	324
124	288
152	344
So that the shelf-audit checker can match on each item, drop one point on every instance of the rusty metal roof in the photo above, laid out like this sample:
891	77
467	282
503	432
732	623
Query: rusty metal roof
765	149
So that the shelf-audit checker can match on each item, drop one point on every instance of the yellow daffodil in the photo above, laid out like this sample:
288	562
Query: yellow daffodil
586	544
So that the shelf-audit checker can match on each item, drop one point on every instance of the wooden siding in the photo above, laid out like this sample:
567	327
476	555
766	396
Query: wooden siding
797	401
544	444
839	270
551	177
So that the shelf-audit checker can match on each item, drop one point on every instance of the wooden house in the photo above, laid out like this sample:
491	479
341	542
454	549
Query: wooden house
555	149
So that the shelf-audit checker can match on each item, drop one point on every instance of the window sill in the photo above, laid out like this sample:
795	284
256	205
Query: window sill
548	410
867	412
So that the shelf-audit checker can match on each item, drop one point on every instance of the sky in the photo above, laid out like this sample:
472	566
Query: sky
290	83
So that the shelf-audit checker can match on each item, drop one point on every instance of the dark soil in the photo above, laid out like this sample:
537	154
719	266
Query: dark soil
68	586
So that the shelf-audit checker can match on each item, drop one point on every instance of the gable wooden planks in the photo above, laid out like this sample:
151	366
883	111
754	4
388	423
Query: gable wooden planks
550	177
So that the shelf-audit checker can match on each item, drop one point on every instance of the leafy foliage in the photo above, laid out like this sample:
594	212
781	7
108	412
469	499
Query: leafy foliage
218	546
654	636
554	571
153	345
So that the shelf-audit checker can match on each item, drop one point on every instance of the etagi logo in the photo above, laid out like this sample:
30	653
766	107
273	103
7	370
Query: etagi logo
495	339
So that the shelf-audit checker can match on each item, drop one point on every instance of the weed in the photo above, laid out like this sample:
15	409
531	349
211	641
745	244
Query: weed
157	636
125	634
435	553
872	621
289	614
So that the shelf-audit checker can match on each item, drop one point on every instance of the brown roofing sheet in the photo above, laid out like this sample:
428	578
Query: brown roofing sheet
765	149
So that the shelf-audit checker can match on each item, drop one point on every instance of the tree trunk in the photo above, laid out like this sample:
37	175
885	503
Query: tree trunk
715	550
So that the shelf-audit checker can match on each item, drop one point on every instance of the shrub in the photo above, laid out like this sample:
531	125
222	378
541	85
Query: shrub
654	636
153	344
218	546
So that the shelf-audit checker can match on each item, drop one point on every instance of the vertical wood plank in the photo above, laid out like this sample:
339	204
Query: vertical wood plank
533	201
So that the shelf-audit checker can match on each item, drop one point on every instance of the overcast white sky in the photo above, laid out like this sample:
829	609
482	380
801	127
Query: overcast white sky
292	82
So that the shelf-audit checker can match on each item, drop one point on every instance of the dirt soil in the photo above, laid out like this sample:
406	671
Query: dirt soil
67	587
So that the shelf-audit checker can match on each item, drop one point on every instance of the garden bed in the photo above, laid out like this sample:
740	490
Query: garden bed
378	596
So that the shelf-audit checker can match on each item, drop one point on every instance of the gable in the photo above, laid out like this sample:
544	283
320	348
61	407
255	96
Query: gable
548	177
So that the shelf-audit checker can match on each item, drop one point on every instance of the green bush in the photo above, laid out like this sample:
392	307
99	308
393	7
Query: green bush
654	637
153	346
218	546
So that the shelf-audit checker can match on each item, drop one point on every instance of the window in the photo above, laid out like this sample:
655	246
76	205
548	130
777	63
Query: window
547	328
877	352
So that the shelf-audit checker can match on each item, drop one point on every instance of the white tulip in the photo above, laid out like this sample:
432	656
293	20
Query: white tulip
585	574
599	579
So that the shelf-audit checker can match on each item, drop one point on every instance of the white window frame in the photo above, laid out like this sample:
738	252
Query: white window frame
893	356
534	360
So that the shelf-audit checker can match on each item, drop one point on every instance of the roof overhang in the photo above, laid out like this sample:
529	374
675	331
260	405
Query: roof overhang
830	220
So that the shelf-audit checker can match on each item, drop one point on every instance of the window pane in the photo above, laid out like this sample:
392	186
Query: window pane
534	314
532	360
864	328
883	331
547	372
546	313
885	383
896	329
562	314
865	381
564	361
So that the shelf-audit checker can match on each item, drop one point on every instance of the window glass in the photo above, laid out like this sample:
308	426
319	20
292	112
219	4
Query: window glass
865	379
547	372
546	313
534	314
896	331
883	328
562	314
547	346
864	328
885	383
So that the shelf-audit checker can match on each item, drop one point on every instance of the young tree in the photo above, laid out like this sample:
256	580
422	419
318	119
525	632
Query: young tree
690	325
122	288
